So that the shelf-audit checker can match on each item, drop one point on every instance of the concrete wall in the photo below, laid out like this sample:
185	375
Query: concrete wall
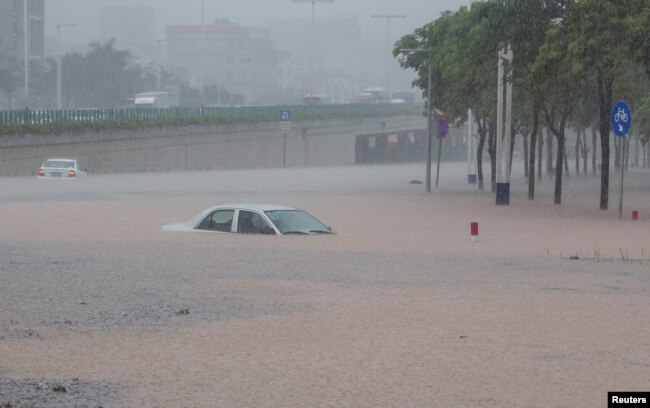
258	145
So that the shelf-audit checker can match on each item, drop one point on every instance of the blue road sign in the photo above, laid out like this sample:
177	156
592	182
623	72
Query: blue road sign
285	115
443	127
621	118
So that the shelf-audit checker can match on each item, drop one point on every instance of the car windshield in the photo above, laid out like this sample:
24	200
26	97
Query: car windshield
59	164
296	222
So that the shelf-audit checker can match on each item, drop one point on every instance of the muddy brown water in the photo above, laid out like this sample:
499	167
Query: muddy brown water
399	308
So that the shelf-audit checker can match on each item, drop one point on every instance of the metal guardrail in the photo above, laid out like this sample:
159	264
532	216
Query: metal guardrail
230	114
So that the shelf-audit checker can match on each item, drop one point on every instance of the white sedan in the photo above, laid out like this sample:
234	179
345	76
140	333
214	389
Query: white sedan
60	169
253	219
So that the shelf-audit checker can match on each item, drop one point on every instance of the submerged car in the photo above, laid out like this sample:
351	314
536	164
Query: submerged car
60	168
253	219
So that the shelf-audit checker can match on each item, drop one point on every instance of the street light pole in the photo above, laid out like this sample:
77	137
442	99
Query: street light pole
202	62
387	17
311	57
26	30
59	97
429	126
429	111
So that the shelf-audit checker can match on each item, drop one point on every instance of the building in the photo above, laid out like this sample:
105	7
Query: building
12	28
225	55
12	44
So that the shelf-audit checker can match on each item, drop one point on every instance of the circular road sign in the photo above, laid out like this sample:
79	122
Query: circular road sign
443	127
621	118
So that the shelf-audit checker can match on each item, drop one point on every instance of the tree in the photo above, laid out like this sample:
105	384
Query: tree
638	35
10	78
104	77
598	37
562	89
462	58
524	25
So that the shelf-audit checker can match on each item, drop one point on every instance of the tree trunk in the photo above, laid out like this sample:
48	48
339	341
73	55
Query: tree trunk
566	161
531	159
492	150
479	155
636	148
578	141
605	106
557	199
525	137
594	149
549	154
584	152
540	153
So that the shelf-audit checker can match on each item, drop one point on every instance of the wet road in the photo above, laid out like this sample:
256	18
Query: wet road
397	308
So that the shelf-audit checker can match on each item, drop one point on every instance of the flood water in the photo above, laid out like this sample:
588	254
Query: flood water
398	308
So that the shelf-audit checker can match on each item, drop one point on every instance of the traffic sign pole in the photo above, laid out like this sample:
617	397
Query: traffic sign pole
443	131
622	155
438	165
621	120
284	150
285	125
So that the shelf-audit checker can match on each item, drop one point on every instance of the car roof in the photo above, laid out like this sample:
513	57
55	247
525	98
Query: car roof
59	159
254	207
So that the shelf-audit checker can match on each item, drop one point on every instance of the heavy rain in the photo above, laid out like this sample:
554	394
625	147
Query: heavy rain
457	274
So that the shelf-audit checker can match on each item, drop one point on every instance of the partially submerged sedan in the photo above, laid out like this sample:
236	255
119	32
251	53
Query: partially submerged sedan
60	168
253	219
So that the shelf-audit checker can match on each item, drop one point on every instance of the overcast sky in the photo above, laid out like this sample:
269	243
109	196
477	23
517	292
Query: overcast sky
85	13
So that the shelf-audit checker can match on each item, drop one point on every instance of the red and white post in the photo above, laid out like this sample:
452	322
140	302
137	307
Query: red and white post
473	230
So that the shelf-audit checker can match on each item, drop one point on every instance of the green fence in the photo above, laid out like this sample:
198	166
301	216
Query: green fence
32	120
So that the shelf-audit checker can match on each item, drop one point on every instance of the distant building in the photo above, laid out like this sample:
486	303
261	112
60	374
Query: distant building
337	51
133	28
226	55
12	28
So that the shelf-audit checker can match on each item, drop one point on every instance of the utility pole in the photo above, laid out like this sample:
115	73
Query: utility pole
202	62
503	187
27	51
311	57
388	17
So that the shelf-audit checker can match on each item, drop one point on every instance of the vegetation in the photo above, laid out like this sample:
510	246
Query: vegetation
77	121
572	60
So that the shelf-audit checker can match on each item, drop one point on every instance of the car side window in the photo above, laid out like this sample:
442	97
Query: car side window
220	220
252	223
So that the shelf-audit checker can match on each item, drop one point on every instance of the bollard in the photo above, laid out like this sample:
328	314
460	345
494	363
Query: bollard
473	231
635	215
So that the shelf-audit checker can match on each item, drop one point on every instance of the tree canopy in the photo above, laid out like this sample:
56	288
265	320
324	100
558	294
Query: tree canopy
569	57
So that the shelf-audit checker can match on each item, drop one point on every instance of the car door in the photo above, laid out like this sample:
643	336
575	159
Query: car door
250	222
220	221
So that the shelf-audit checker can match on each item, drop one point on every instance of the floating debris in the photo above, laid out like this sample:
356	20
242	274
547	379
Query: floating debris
58	388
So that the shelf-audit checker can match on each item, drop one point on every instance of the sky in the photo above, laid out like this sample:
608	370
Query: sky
85	13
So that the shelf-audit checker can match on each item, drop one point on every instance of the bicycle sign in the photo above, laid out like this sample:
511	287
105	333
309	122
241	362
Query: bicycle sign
443	127
621	118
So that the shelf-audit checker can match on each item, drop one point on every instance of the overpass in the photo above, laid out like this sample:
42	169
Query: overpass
319	136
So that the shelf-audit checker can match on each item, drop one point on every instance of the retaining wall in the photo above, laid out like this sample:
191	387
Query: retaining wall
233	146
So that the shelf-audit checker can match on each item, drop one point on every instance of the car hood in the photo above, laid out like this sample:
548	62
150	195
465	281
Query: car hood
179	226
